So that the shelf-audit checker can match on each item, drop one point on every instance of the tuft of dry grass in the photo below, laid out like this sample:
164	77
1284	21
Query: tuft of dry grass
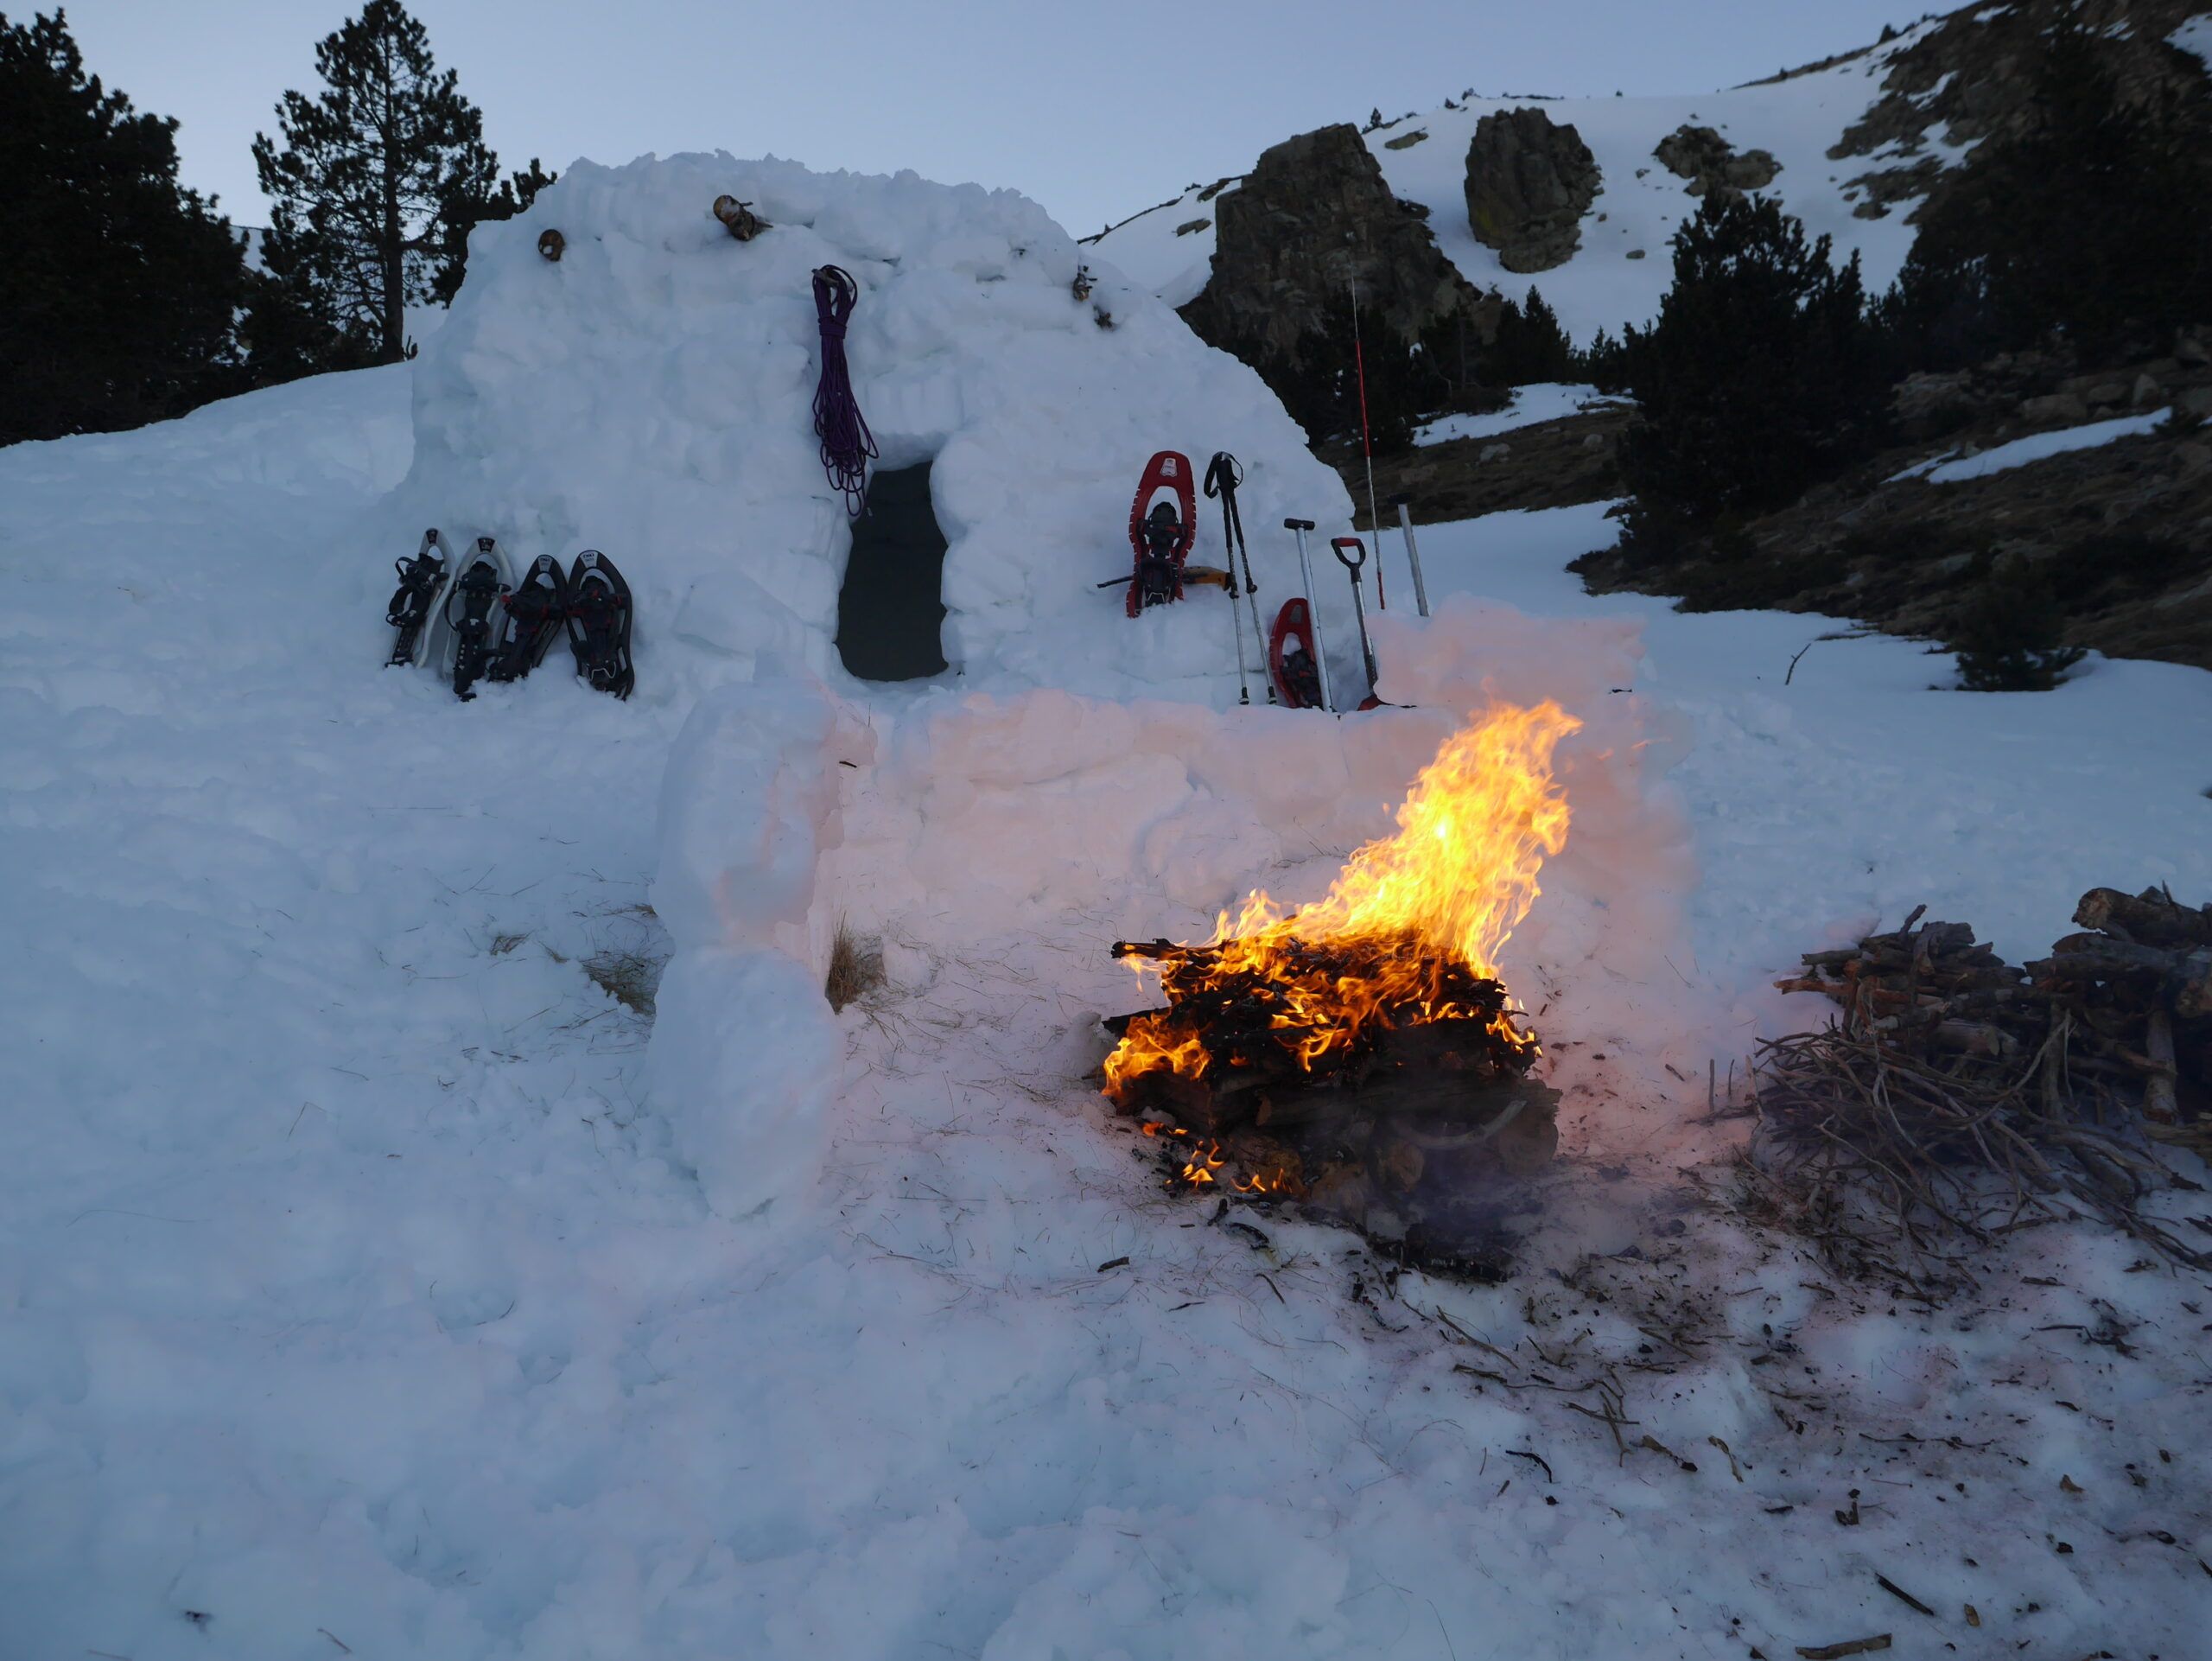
855	967
631	978
503	944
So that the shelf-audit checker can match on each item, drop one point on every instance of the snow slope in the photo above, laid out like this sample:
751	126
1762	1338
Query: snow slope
1623	266
358	1296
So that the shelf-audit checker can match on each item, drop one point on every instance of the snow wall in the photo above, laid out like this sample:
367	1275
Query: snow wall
1075	773
1049	824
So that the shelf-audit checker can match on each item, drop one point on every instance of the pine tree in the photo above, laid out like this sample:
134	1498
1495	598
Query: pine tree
1760	376
514	195
2090	223
119	288
2008	639
369	180
1530	345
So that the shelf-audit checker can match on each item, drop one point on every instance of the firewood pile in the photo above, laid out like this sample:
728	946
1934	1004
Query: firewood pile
1957	1096
1377	1107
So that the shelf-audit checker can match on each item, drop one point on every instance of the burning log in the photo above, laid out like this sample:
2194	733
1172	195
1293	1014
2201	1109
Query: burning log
1363	1054
1428	1081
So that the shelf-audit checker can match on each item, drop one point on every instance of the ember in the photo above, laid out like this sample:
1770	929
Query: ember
1362	1050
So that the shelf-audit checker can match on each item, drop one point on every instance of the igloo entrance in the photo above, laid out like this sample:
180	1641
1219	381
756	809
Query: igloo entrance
891	608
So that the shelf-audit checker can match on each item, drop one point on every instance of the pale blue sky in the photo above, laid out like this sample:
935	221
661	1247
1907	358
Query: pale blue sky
1096	111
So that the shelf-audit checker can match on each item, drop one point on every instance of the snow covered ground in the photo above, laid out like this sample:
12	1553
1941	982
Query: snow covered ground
1623	266
1538	401
2035	447
356	1297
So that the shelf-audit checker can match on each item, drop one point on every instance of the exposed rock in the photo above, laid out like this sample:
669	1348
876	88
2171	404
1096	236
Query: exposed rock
1494	453
1874	194
2198	401
1189	225
1926	404
2192	349
1635	253
2105	394
1529	181
2054	406
1310	217
1406	141
1710	164
2147	391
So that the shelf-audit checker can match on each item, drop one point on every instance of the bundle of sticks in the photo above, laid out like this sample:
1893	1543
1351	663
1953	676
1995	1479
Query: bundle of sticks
2134	989
1961	1094
1400	1083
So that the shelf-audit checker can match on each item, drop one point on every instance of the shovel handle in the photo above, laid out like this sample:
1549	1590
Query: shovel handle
1338	545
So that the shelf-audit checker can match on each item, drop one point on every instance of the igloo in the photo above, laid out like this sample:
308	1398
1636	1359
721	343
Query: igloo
650	393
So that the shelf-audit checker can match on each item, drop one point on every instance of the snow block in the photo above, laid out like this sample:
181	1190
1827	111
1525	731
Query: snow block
749	805
744	1066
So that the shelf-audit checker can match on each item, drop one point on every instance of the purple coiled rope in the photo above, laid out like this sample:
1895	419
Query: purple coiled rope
847	445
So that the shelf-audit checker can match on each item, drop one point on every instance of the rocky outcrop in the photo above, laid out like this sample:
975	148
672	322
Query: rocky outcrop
1972	79
1529	181
1713	165
1315	215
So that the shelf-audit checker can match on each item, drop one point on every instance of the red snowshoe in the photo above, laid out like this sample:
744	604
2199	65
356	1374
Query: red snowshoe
1291	663
1161	533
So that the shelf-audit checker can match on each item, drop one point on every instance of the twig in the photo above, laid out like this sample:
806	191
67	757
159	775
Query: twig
1902	1595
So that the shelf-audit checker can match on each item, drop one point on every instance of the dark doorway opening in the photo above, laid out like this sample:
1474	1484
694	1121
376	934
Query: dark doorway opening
891	610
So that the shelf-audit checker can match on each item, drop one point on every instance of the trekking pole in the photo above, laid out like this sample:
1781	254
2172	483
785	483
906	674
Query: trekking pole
1366	442
1312	609
1223	476
1412	553
1345	548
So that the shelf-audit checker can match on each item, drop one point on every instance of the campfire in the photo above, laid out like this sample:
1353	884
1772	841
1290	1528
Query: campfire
1362	1054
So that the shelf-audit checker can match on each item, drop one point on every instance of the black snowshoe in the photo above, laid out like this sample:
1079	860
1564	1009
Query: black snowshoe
421	580
599	624
471	611
532	614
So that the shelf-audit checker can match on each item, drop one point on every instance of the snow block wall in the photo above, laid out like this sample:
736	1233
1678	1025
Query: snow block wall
651	394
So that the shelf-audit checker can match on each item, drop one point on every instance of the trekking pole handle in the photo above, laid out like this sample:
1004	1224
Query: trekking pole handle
1338	545
1298	525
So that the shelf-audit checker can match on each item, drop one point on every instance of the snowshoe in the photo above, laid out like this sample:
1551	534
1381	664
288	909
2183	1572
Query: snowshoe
1161	533
529	616
599	624
1291	663
471	612
422	582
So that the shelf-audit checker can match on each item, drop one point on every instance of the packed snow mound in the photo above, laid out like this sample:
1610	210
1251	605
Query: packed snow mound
650	394
1623	266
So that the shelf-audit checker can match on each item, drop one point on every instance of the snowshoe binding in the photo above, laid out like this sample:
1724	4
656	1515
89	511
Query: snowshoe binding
1291	663
471	612
1161	533
530	614
422	582
599	624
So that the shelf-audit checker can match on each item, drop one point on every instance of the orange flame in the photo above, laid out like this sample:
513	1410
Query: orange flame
1449	887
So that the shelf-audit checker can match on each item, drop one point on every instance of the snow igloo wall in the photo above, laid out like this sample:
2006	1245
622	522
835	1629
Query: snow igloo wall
651	394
